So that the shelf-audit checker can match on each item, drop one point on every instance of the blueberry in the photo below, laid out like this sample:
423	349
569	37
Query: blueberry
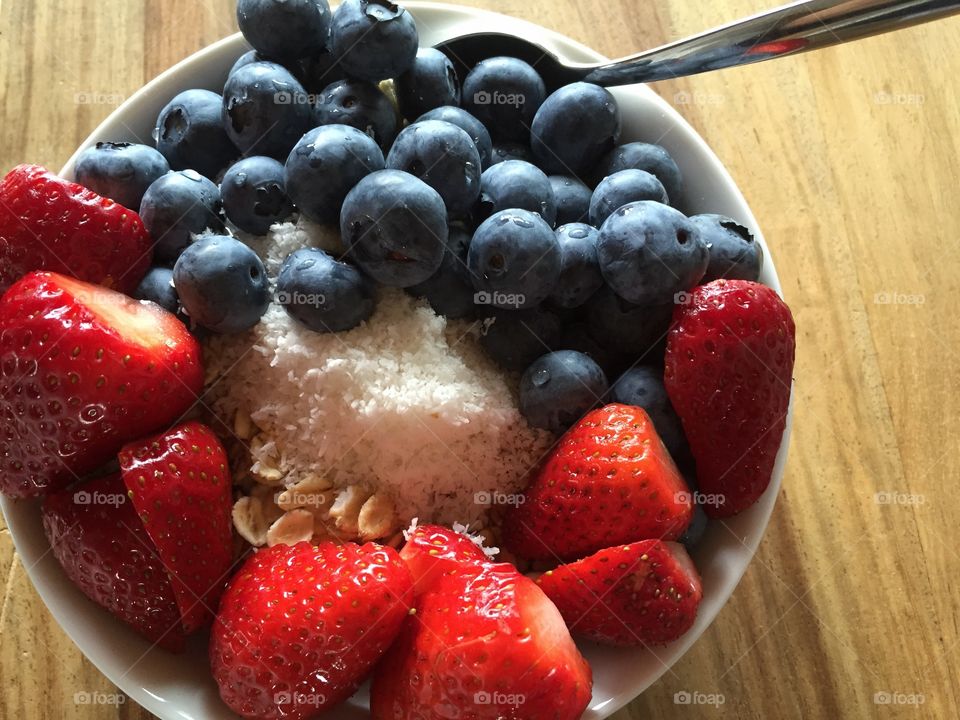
191	136
444	157
734	254
504	94
696	529
284	29
644	156
504	151
559	387
394	226
634	331
574	127
265	109
157	287
579	270
361	105
177	205
516	184
373	40
430	83
650	252
514	259
643	387
253	194
248	58
466	122
573	199
623	187
325	165
515	338
222	284
450	289
322	293
120	171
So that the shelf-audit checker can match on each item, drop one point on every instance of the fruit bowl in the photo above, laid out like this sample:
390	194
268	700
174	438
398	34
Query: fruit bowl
181	686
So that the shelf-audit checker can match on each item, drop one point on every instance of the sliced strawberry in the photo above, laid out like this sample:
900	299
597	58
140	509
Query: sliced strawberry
104	549
301	626
432	551
485	645
609	481
180	485
84	370
48	223
728	372
646	593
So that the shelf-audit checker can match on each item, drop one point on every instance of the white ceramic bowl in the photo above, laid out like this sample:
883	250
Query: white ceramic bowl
181	687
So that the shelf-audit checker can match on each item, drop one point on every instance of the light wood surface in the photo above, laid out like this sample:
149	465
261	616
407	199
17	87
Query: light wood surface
850	159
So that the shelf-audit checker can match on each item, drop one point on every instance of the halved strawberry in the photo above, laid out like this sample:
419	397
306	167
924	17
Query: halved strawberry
82	371
485	645
646	593
300	627
179	482
609	481
48	223
96	536
729	367
432	551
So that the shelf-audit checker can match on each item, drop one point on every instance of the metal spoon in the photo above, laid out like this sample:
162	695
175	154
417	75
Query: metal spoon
794	28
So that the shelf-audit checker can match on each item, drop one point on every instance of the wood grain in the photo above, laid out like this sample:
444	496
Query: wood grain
850	159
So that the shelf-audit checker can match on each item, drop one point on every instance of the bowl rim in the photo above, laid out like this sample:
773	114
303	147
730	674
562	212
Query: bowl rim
468	17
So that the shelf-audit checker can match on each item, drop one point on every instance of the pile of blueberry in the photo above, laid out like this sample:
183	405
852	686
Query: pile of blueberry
493	198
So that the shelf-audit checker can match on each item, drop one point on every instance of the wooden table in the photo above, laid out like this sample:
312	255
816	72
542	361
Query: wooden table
850	159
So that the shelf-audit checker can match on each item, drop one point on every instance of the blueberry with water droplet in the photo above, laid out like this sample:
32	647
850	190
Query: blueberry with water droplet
325	165
514	260
253	193
559	388
322	293
444	157
222	284
623	187
579	269
373	40
516	184
466	122
265	110
574	127
191	135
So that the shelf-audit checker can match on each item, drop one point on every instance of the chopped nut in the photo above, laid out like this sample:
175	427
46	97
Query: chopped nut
377	518
243	425
346	509
249	521
291	528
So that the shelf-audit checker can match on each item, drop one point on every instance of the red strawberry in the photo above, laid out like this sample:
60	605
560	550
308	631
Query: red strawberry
104	549
432	551
485	645
48	223
301	626
646	593
728	372
609	481
180	483
82	371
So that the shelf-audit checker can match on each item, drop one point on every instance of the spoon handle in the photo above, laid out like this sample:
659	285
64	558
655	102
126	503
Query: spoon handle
794	28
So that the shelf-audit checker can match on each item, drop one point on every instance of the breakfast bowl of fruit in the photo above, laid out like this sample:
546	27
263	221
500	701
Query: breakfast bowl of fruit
336	375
